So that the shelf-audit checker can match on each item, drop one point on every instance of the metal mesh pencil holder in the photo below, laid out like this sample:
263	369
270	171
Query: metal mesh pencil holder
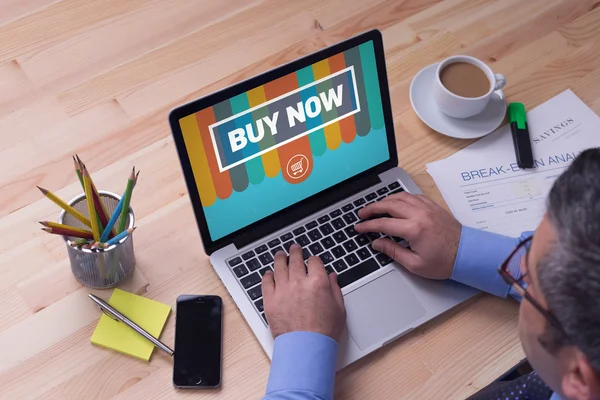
106	268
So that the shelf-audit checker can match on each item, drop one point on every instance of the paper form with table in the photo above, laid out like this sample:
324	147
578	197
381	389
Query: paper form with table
485	188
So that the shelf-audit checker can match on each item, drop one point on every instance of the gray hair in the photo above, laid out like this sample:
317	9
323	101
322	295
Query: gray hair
570	274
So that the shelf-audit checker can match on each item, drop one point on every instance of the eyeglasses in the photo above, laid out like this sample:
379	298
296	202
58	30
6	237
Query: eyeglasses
519	285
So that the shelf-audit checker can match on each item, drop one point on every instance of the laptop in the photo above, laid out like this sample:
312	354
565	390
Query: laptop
291	156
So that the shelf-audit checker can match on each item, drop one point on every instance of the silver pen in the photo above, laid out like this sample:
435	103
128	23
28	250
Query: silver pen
117	316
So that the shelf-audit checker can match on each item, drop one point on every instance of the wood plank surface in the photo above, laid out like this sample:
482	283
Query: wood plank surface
98	77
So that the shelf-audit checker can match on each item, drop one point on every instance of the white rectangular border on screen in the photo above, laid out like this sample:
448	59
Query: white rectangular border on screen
212	126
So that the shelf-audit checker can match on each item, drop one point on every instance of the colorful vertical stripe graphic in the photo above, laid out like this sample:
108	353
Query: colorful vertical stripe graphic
282	126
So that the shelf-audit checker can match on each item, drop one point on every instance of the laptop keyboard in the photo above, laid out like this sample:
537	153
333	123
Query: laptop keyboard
331	237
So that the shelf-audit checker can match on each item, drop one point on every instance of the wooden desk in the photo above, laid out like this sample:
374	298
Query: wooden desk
98	77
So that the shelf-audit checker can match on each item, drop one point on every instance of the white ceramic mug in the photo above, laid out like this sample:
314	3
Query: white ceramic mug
457	106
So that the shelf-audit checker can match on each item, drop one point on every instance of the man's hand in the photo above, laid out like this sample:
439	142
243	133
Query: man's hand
432	232
295	301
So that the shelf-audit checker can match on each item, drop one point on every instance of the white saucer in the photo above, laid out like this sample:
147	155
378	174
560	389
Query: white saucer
469	128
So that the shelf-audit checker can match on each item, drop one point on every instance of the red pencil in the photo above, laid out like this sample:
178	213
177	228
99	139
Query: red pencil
98	206
68	232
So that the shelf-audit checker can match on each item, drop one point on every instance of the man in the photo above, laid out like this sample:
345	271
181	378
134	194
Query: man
557	270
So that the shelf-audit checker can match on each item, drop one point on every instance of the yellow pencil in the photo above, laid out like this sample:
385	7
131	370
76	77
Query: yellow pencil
65	206
98	204
50	224
90	202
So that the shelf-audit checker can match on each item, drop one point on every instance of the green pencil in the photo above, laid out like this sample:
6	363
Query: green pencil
78	171
127	195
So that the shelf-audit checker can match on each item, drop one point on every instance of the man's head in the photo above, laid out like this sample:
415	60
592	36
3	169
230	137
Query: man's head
563	268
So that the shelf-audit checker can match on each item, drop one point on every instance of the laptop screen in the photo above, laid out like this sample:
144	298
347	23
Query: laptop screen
266	149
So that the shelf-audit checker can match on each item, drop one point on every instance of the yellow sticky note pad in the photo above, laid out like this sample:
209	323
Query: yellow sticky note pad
149	314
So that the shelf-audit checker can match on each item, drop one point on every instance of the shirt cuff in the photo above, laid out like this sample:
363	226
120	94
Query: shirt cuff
303	361
479	256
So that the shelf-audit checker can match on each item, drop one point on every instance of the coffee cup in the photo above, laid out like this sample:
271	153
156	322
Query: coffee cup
464	85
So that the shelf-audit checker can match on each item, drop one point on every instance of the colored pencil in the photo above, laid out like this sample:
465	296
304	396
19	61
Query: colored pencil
99	209
98	204
50	224
65	207
77	163
90	203
112	220
127	195
78	171
116	213
68	232
120	236
79	242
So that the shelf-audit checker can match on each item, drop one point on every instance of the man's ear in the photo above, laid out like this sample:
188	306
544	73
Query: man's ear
580	381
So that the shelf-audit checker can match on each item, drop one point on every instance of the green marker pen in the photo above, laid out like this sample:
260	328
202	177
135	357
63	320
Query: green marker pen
520	134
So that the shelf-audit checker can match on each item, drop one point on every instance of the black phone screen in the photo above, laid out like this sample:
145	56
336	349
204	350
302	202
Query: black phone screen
197	358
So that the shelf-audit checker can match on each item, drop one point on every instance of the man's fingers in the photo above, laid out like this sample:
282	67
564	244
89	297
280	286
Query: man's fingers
281	267
396	209
268	285
335	288
396	251
315	267
387	226
296	263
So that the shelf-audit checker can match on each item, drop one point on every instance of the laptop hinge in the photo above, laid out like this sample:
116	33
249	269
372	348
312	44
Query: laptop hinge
305	208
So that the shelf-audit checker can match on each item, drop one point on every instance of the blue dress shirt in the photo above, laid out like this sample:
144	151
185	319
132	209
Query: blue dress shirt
303	366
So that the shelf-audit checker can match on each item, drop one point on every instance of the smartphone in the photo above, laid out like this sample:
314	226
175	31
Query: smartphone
198	342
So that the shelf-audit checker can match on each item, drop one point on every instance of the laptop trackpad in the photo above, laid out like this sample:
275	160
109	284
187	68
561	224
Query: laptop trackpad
381	309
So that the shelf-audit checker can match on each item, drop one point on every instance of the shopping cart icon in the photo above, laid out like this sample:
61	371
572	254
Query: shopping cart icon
297	166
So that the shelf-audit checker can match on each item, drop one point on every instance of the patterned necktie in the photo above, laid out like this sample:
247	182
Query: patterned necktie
527	387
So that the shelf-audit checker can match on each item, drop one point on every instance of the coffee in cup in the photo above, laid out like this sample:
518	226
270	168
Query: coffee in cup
465	79
464	85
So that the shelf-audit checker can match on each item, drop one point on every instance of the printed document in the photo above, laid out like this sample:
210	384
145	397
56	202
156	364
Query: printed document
485	188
